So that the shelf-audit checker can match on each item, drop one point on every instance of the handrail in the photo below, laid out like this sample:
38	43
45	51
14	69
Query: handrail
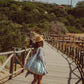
66	39
10	52
75	53
11	57
64	36
5	53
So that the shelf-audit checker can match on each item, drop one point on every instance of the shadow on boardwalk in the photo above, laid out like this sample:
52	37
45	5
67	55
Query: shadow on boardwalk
72	70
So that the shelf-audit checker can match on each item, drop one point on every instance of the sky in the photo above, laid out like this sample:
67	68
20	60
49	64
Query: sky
67	2
74	2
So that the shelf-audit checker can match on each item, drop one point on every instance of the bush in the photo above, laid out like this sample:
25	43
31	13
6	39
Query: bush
10	36
77	12
71	20
5	3
13	7
57	27
73	29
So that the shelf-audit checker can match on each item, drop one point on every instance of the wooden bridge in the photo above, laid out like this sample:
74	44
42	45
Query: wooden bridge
62	69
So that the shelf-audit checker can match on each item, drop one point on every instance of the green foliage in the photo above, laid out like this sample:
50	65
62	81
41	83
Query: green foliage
10	35
71	19
28	6
5	3
77	12
58	12
73	29
3	17
2	59
80	4
13	7
17	17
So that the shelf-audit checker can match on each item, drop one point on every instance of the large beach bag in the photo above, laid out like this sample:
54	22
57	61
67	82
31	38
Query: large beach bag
35	66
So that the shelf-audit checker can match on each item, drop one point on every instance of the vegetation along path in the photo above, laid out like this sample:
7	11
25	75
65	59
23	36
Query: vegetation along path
60	69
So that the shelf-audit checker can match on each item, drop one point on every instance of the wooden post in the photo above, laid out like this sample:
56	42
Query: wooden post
82	58
65	49
59	45
70	51
73	38
11	66
62	46
73	53
79	56
79	38
69	37
23	59
76	55
56	43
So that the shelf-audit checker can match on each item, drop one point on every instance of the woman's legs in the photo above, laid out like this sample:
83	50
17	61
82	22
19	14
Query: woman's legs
39	79
35	79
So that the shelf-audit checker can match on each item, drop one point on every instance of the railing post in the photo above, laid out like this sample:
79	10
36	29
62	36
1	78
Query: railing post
56	43
23	59
11	67
79	38
69	37
70	51
73	38
73	52
65	49
82	58
62	46
16	60
76	55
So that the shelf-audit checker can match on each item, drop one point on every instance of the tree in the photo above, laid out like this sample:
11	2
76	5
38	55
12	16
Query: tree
80	4
13	7
57	27
10	35
5	3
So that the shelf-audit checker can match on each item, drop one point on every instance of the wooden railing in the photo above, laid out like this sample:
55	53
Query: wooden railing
78	41
75	53
68	37
12	58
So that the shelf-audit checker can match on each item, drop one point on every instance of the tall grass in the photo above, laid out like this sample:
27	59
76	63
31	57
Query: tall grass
3	59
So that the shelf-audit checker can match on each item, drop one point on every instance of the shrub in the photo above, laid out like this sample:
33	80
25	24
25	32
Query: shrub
13	7
73	29
58	27
10	36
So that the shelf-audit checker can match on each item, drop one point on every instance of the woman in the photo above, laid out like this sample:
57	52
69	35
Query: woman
39	43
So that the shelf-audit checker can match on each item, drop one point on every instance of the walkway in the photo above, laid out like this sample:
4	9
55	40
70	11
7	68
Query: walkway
60	70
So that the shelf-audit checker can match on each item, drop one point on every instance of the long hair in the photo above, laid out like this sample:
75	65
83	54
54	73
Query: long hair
35	45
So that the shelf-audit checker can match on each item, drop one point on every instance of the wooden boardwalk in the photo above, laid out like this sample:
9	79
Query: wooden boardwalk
60	69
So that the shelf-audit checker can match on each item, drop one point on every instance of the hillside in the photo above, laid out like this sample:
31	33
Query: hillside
17	17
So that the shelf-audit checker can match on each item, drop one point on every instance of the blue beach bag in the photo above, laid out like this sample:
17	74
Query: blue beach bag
35	66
